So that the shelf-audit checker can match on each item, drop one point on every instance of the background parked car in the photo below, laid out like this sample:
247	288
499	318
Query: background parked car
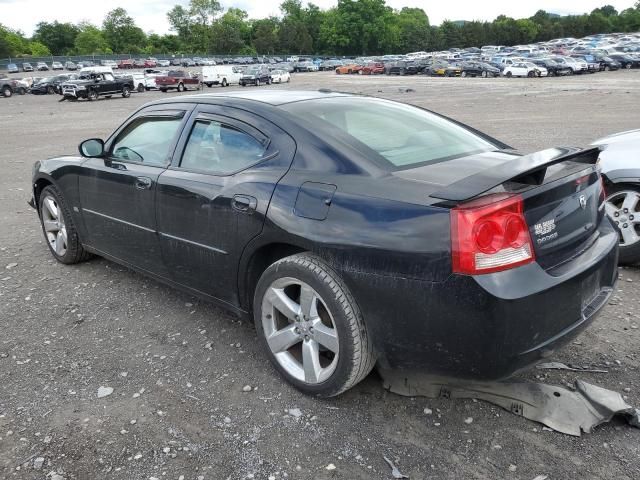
164	63
125	64
42	67
553	67
27	67
256	75
478	69
9	86
280	76
372	69
625	60
177	79
348	68
13	68
49	85
222	75
525	69
57	66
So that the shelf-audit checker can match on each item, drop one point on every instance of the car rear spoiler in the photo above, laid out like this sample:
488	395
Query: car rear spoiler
527	169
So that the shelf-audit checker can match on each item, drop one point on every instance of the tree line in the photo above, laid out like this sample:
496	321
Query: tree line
352	27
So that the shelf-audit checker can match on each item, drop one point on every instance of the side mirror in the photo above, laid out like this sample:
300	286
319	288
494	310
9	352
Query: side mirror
92	148
97	80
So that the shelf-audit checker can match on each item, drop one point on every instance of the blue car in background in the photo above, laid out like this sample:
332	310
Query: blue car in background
13	68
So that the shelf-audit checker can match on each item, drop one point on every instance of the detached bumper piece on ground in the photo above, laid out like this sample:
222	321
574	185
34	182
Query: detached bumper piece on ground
564	410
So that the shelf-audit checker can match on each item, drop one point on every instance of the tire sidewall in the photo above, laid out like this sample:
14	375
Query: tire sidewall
629	254
342	372
72	237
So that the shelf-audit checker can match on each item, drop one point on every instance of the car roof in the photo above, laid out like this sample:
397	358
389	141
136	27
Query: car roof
271	97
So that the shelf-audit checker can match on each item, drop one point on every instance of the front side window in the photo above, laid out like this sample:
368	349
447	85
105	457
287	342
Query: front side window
218	148
146	140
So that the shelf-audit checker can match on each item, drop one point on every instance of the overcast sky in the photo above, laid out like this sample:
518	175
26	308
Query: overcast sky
151	14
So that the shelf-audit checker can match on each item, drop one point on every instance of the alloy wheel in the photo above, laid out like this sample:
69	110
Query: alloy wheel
54	225
623	208
300	330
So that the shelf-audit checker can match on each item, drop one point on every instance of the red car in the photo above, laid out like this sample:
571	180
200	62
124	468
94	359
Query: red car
372	69
178	79
148	63
125	63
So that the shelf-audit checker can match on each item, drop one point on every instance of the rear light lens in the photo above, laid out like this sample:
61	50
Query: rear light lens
490	235
603	192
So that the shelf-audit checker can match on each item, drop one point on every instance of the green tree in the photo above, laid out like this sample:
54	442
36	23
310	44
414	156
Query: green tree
231	32
91	41
38	49
264	33
121	32
413	26
58	37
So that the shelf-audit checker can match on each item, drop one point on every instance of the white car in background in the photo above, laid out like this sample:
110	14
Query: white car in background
575	65
222	75
164	63
279	76
150	75
524	69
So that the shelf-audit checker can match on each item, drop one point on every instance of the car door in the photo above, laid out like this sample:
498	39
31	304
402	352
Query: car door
117	192
213	199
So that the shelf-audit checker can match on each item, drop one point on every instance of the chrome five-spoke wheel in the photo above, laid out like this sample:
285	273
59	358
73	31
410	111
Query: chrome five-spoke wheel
54	225
623	207
300	330
311	327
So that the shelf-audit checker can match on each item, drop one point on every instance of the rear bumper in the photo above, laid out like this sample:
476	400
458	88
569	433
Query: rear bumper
486	327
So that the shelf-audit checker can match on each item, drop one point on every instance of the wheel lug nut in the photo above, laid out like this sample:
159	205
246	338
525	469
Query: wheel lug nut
626	210
625	225
310	329
630	217
297	330
616	214
306	338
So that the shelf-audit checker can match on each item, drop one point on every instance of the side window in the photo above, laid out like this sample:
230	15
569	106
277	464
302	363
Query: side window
218	148
146	140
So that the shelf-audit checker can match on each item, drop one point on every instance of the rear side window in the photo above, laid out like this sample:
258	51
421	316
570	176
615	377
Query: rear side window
221	149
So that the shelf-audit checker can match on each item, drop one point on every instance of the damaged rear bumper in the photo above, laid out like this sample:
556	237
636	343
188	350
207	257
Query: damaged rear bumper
486	327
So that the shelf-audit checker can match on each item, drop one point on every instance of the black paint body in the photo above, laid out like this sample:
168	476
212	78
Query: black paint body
382	232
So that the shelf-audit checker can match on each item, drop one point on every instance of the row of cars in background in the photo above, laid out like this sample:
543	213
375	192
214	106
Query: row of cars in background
93	82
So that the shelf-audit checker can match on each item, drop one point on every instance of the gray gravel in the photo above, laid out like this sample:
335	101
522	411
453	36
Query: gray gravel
178	366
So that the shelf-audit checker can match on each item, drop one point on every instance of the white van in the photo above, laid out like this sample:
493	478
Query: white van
221	75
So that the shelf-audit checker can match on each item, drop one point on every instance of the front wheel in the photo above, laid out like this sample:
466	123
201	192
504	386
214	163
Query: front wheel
7	92
257	82
623	208
224	82
311	327
59	231
181	87
484	74
92	95
463	74
140	88
509	74
51	90
126	92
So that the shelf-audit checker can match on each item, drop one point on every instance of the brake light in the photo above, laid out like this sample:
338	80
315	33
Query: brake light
603	191
490	235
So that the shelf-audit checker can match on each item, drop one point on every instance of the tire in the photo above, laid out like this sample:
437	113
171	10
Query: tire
50	90
269	81
22	91
147	88
70	250
337	72
483	74
360	72
108	96
181	87
349	72
336	313
509	74
140	88
463	74
7	92
607	68
257	82
126	92
92	95
629	253
531	74
224	82
163	90
628	66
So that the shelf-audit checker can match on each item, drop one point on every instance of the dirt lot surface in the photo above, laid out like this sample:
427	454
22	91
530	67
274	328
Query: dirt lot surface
178	366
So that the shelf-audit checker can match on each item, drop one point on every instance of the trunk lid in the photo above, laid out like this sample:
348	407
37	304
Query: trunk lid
561	190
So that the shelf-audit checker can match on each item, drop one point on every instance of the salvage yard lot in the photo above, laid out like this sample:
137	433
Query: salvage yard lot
178	366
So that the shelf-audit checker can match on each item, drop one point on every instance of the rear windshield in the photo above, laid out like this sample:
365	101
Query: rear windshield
403	136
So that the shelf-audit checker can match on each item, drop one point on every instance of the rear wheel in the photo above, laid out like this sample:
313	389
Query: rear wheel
623	208
181	87
257	82
311	327
59	231
7	92
531	74
484	74
628	66
509	74
607	68
140	88
463	74
126	92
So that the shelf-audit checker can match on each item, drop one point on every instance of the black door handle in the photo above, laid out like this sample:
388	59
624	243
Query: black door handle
244	203
143	183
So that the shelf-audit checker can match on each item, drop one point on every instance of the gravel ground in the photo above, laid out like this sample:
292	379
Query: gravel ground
178	366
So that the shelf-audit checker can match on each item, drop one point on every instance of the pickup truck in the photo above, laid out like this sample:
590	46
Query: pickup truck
93	85
9	86
178	79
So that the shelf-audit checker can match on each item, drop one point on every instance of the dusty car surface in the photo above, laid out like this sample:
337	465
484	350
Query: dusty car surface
353	230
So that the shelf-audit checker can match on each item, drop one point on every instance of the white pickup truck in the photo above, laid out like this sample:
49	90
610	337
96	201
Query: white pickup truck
221	75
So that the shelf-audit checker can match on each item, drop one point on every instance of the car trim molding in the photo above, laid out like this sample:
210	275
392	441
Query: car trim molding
190	242
118	220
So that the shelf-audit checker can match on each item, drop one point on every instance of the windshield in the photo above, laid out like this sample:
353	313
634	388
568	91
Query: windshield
252	70
403	136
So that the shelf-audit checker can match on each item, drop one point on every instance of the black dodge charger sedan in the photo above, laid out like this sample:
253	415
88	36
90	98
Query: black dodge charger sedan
356	231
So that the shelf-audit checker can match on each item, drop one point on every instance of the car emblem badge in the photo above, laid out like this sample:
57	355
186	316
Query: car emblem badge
583	202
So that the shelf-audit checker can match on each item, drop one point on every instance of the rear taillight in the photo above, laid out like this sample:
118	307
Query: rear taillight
603	191
489	235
